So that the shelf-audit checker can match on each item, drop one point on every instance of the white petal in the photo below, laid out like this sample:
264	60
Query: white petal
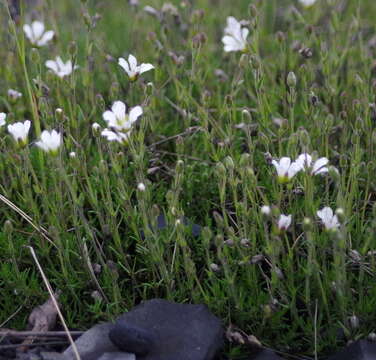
42	145
27	125
325	214
284	221
132	62
119	108
230	44
113	136
305	159
280	171
52	65
37	28
124	64
28	32
307	2
285	163
47	36
245	33
109	117
320	163
233	25
3	116
323	170
294	169
145	67
135	113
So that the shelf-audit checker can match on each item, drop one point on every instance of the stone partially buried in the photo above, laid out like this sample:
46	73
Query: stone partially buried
161	330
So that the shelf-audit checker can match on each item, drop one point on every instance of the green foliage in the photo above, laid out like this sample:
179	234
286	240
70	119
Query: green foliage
212	122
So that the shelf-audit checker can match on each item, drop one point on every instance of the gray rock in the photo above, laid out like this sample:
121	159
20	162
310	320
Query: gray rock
179	331
266	354
132	339
47	355
118	356
93	343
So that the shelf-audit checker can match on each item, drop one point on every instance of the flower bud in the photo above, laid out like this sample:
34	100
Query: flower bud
87	19
244	160
340	214
220	170
34	56
101	104
96	129
253	13
8	227
307	224
229	163
218	218
179	166
354	322
244	61
59	113
72	49
114	90
266	210
244	242
149	90
214	267
155	212
291	80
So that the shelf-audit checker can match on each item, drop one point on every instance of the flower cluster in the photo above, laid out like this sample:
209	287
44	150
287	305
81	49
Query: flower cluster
50	141
119	122
328	218
287	169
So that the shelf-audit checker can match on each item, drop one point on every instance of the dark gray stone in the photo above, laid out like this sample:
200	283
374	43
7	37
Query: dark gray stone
47	355
359	350
117	356
179	331
132	339
93	343
161	224
266	354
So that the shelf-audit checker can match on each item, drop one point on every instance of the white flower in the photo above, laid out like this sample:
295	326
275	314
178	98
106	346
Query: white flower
235	38
72	154
50	141
328	218
118	119
286	169
14	94
36	34
284	222
115	136
19	131
3	116
96	126
266	210
317	167
307	3
132	69
141	187
60	68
